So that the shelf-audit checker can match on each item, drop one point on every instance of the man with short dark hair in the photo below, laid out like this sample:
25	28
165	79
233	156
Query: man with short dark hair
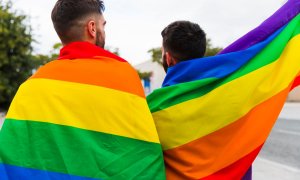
182	41
79	21
84	115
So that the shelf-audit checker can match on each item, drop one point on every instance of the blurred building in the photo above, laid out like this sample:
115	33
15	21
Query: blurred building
157	78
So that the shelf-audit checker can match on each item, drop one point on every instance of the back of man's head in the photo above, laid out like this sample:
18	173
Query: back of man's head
69	17
184	40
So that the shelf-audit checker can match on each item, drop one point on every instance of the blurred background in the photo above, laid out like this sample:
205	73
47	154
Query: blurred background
28	40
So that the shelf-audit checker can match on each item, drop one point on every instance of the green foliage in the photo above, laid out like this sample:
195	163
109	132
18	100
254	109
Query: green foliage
54	53
144	75
113	50
15	52
156	54
210	49
42	59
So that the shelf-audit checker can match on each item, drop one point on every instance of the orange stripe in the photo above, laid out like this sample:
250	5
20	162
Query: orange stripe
220	149
103	72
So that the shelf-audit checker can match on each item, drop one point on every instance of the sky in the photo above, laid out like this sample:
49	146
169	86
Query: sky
134	26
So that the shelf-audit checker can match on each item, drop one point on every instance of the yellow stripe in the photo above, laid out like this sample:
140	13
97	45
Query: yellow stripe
84	106
196	118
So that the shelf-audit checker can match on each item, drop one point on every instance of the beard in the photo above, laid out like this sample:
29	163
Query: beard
165	64
100	41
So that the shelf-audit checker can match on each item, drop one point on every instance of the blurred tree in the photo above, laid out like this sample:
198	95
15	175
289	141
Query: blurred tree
41	59
54	53
15	52
210	49
156	54
144	75
113	50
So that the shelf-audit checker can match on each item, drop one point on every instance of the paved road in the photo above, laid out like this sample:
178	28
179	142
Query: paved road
280	156
283	145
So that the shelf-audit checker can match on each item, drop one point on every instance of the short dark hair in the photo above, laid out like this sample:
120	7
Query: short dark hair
66	15
184	40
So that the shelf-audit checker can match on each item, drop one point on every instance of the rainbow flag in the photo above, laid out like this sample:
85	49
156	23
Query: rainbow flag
214	114
83	116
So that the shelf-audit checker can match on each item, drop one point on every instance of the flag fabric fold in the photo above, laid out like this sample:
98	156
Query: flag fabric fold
214	114
83	116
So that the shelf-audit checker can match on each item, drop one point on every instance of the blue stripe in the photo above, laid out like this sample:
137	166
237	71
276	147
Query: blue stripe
216	66
8	172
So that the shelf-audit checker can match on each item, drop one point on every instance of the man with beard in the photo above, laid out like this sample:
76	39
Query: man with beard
84	115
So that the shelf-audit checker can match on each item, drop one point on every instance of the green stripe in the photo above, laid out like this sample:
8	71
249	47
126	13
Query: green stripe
169	96
68	150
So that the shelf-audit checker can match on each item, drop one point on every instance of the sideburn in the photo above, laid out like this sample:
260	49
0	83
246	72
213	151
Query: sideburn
99	42
165	64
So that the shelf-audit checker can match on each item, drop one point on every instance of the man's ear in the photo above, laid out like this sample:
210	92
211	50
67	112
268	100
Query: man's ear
92	31
170	60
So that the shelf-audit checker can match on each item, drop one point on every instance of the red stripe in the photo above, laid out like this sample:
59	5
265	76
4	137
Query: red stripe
296	83
82	50
237	170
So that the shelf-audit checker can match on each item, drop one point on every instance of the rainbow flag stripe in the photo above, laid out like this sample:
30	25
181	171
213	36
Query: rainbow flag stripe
81	118
214	114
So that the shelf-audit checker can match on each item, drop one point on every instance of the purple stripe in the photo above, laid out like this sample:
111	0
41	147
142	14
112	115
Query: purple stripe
248	175
268	27
280	18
